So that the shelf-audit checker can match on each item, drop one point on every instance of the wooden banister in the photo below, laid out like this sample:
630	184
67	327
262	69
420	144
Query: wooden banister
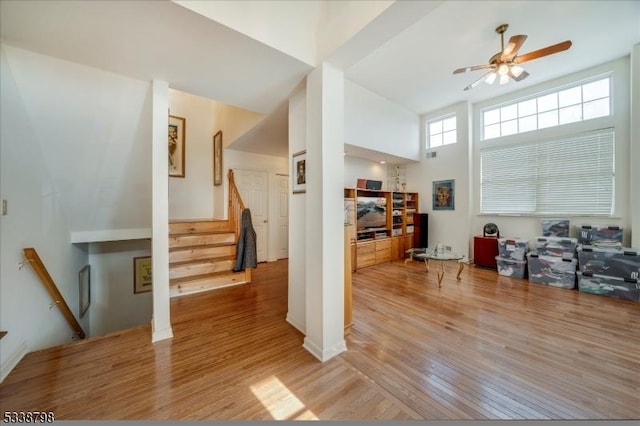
235	205
32	258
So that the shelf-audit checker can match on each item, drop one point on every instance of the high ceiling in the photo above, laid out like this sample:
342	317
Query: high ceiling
412	67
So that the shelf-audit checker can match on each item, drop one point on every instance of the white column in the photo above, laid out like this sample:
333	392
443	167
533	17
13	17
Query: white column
161	322
296	313
634	158
324	274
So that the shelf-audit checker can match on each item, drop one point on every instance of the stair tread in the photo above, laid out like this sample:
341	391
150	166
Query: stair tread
200	246
202	261
185	234
176	281
207	219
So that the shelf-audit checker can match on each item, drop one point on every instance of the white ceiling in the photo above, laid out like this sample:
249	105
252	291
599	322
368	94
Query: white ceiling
163	40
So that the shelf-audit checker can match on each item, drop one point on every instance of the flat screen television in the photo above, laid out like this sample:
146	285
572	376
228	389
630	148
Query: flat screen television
372	213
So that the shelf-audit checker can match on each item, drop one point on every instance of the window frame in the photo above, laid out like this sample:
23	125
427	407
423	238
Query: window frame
441	119
556	90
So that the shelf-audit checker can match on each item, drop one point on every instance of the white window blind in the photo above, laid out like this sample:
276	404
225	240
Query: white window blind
574	175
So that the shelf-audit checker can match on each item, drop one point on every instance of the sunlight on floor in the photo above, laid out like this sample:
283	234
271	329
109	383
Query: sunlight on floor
280	401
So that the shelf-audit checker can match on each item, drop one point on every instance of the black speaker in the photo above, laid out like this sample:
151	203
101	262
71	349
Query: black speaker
420	230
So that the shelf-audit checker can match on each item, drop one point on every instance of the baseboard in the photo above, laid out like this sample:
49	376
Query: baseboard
326	354
158	335
13	360
297	324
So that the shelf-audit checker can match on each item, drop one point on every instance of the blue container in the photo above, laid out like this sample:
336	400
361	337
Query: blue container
592	234
555	227
620	288
551	270
557	246
613	262
511	268
513	248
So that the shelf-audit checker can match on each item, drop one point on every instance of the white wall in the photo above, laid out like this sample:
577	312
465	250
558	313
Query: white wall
634	158
359	168
529	227
273	166
36	217
375	123
114	306
191	197
450	227
296	314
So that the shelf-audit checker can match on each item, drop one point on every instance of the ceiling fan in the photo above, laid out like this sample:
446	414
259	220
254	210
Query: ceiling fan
505	64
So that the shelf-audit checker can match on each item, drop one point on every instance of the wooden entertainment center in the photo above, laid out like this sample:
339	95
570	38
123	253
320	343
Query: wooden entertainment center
384	230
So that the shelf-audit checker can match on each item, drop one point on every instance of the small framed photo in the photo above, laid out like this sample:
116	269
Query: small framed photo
176	146
142	274
299	172
444	195
217	158
84	282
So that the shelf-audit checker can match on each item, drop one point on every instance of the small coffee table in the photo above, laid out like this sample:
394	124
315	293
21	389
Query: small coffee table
427	255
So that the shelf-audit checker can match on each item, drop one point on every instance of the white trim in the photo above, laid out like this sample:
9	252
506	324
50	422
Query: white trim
158	335
13	360
110	235
297	324
327	354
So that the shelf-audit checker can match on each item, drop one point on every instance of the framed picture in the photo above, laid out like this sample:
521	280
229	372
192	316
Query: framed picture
444	195
84	282
217	158
299	169
142	274
176	145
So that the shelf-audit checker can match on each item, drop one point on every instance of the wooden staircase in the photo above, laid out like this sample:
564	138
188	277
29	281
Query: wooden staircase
202	254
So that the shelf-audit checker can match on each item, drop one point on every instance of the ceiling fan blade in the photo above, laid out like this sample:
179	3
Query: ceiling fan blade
474	68
522	75
515	43
478	81
549	50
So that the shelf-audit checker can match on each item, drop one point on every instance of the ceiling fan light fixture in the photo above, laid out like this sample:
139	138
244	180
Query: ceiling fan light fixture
504	79
503	69
516	70
491	78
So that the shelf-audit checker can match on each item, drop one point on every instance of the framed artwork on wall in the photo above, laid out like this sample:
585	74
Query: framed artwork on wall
84	282
176	146
299	172
217	158
142	277
444	195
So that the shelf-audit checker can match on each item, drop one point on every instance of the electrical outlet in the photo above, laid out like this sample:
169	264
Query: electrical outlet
4	207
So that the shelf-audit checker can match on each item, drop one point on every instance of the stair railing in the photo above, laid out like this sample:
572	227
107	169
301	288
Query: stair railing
33	259
236	206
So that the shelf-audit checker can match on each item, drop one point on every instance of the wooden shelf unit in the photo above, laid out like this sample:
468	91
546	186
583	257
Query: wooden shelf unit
374	246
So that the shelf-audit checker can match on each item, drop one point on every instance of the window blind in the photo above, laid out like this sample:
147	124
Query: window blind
573	175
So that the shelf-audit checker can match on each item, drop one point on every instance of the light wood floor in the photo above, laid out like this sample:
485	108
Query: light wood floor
485	347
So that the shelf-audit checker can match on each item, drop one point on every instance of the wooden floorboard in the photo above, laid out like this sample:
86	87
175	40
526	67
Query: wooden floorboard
483	347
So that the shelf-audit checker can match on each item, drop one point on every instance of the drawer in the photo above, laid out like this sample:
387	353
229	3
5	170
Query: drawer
383	256
366	259
383	245
366	248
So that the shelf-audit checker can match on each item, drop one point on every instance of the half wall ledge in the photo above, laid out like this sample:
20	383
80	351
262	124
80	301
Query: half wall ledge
110	235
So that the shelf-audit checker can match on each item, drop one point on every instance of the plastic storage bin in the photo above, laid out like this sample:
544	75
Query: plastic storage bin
557	246
511	268
620	288
555	227
512	248
613	262
551	270
604	234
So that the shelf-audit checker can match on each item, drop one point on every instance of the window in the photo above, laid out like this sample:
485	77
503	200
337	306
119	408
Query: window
441	132
578	103
573	175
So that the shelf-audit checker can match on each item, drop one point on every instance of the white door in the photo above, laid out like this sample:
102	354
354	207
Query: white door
254	192
283	217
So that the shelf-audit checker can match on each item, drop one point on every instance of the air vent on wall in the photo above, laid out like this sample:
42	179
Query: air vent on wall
431	154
